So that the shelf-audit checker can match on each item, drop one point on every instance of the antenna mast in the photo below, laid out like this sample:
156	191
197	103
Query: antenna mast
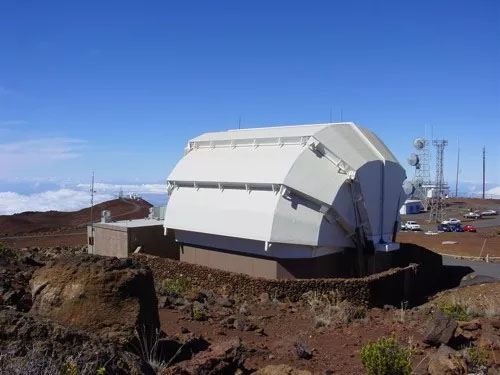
92	210
484	170
458	168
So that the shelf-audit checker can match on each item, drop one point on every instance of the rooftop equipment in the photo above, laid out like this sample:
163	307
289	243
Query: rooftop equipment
287	192
105	216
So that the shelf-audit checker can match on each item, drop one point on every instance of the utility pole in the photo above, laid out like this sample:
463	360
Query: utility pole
458	168
92	211
484	169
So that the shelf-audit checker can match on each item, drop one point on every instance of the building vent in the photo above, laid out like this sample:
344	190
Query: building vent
105	216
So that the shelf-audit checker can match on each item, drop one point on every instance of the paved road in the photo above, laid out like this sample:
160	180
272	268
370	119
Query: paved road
43	235
481	268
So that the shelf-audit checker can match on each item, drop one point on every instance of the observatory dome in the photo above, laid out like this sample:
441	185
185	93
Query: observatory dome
286	192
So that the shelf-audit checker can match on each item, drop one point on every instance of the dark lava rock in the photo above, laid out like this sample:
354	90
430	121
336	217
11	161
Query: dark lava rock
225	302
224	358
302	351
34	345
440	330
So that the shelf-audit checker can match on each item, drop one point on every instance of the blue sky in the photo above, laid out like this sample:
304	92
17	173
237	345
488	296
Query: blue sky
120	86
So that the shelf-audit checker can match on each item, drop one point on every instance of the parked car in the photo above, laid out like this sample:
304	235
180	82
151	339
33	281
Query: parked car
469	228
412	225
472	215
489	213
452	221
443	228
457	228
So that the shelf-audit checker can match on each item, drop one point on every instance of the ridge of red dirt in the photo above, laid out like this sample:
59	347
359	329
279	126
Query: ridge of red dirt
30	223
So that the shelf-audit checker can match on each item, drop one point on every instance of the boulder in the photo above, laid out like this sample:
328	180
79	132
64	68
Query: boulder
281	370
302	351
114	298
225	302
31	345
447	361
440	329
224	358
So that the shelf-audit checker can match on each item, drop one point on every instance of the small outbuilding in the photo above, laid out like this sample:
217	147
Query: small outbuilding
411	206
120	238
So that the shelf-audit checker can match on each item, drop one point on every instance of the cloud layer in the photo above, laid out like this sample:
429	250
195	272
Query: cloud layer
74	198
59	200
128	188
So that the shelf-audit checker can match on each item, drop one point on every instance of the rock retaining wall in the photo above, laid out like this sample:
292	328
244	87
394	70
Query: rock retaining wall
398	284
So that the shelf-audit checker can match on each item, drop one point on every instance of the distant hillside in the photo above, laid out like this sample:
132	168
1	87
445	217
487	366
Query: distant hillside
49	221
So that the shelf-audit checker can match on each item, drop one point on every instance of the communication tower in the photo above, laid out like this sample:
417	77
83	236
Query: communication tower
438	192
422	179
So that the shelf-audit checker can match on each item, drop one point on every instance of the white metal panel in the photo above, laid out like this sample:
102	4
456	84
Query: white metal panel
266	164
267	132
232	212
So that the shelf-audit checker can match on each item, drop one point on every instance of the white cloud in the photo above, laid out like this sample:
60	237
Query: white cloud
59	200
493	192
46	148
16	156
128	188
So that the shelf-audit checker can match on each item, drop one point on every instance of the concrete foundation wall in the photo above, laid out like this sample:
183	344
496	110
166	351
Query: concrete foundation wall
249	265
343	264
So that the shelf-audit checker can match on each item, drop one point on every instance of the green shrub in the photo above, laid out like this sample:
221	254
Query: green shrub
386	357
198	314
176	286
455	310
101	371
478	357
70	367
5	252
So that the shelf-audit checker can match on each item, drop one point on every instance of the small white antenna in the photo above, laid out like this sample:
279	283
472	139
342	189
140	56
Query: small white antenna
239	122
92	191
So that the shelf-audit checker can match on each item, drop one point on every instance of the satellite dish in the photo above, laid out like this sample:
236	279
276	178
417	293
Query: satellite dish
419	143
413	159
408	187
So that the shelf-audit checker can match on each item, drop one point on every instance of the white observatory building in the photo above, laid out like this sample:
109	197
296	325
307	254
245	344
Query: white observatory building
286	202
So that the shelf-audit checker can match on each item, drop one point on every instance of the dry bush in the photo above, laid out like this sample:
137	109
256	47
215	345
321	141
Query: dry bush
327	310
461	308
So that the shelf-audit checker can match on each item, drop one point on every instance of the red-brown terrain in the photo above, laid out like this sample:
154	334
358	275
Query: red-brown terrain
55	228
486	241
316	334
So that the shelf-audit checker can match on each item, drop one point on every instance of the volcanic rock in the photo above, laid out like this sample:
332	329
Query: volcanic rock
224	358
281	370
440	329
107	296
32	345
447	361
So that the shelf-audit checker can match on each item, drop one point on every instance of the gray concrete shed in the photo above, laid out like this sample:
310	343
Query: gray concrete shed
121	238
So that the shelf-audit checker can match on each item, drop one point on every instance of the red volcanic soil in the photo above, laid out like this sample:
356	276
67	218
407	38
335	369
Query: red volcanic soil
56	222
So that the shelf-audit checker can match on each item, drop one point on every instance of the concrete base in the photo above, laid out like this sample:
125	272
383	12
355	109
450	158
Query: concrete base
343	264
